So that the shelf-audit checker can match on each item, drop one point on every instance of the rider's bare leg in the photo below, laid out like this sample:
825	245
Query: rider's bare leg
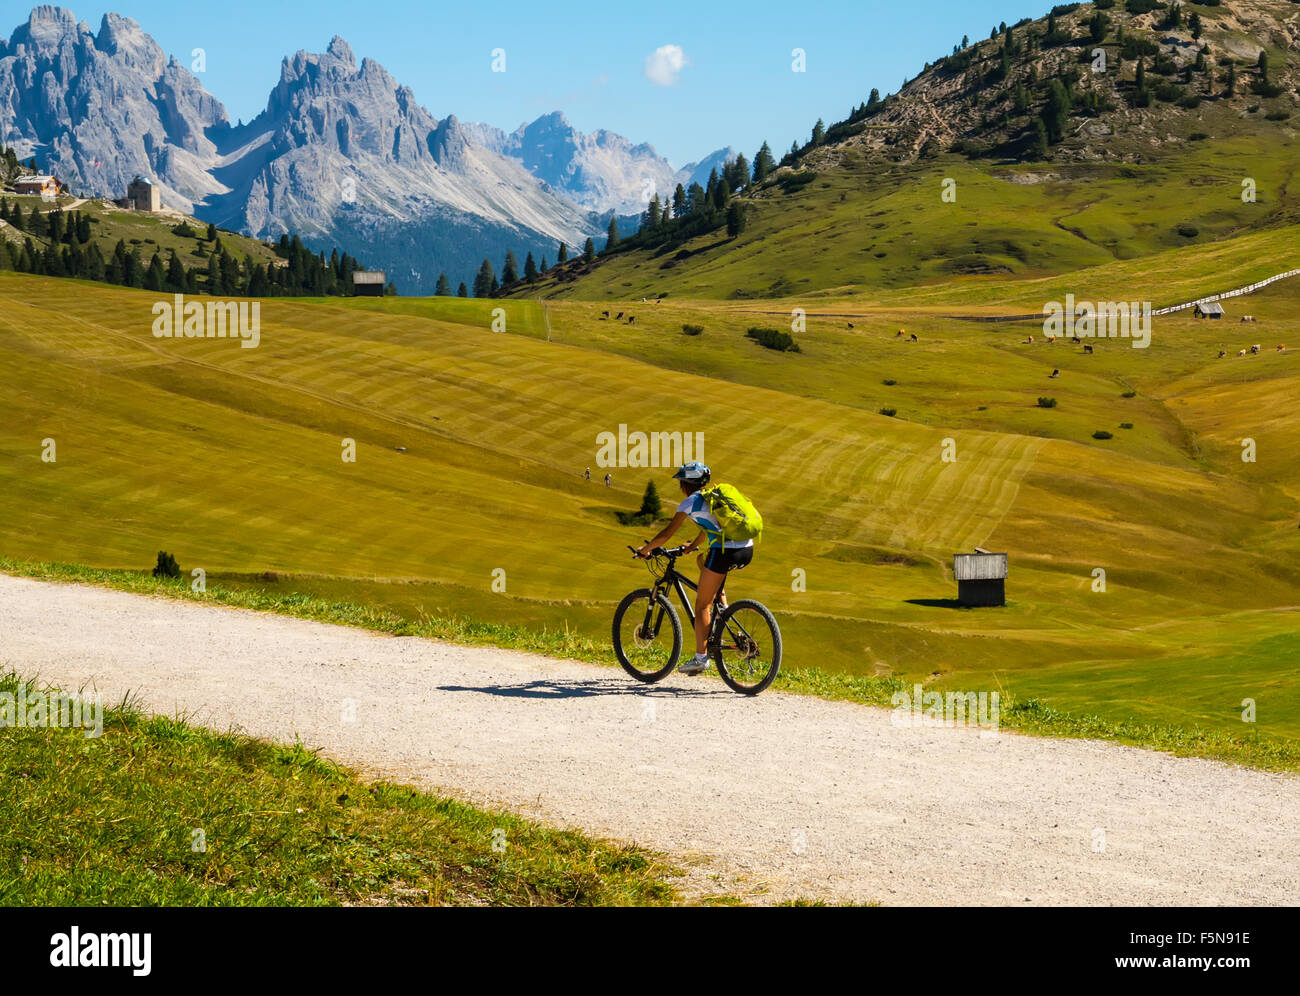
710	582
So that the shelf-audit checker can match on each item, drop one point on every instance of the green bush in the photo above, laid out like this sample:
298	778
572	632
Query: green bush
889	412
1046	402
782	342
1188	231
166	567
1277	115
184	231
1102	434
792	182
693	329
889	383
1126	425
1129	394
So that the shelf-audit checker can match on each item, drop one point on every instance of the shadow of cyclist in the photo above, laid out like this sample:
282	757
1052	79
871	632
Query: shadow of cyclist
554	689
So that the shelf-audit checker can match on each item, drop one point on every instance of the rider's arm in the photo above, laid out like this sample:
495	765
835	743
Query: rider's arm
694	544
664	535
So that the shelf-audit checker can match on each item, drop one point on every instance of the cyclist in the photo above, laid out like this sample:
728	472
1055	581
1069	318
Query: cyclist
722	557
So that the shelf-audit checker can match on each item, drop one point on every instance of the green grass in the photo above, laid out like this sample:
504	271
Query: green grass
230	459
147	233
111	821
880	231
1200	734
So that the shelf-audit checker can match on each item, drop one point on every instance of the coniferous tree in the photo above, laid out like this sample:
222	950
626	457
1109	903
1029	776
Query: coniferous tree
1057	112
1232	79
589	251
444	286
818	133
735	219
543	267
510	271
530	269
484	279
651	506
37	224
764	163
721	192
562	253
155	277
462	290
175	274
611	234
680	204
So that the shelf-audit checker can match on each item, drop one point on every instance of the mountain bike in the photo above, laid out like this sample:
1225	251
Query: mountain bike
744	639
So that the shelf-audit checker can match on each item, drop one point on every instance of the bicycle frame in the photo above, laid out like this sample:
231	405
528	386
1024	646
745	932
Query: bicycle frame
678	582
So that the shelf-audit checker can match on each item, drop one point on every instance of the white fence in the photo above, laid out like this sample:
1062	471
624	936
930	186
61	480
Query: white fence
1249	289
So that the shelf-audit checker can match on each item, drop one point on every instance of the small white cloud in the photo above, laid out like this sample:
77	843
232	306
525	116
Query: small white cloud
665	64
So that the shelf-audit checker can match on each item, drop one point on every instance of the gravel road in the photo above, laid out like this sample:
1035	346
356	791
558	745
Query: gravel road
769	798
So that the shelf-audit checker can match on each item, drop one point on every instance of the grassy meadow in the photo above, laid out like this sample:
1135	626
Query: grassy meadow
470	447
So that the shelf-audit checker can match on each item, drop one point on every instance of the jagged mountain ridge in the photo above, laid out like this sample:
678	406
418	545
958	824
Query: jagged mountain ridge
602	171
340	150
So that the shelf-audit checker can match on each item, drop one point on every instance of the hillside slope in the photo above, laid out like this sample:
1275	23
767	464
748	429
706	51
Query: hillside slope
948	177
230	458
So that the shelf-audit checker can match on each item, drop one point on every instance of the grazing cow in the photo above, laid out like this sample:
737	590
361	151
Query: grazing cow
1055	373
1247	318
1222	354
1029	341
605	313
1241	352
1087	349
618	316
914	338
1255	349
900	334
1075	339
850	325
1281	348
1051	338
631	319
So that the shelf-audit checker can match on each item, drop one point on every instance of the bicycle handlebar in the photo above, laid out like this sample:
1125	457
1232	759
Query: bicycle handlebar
670	552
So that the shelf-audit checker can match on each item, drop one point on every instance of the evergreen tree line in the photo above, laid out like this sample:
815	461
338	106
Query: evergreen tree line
70	251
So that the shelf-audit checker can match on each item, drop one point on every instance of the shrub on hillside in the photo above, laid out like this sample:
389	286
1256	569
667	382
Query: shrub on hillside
792	182
1129	394
889	412
1277	115
1188	231
166	567
1046	402
693	329
1102	434
184	231
1126	425
774	339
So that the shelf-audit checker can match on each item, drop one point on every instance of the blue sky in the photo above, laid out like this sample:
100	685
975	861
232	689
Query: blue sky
587	59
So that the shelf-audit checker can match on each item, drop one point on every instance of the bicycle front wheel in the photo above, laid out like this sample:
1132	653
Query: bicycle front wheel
747	650
647	635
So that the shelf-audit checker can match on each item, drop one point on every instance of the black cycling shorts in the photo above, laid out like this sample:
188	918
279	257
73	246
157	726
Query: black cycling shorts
723	559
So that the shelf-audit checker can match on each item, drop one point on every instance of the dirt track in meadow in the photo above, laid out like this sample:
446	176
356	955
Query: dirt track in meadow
769	798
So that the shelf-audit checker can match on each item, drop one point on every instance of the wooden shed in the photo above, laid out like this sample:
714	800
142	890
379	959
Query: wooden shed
981	577
1208	310
369	283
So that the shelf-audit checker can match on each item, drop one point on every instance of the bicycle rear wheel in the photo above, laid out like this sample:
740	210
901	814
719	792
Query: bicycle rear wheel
647	635
747	650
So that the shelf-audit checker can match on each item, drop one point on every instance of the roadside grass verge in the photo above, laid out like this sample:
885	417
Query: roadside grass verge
1028	715
156	812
